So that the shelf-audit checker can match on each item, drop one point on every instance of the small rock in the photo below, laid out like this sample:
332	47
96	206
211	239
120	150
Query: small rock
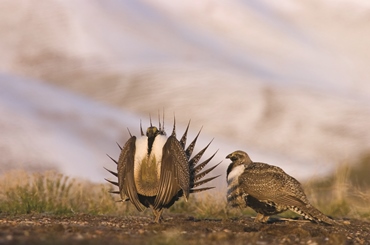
311	242
79	236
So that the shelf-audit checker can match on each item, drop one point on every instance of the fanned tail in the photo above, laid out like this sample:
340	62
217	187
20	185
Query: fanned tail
198	171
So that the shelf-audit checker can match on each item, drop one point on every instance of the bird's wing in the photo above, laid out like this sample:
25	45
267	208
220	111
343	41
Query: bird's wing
175	173
274	186
125	170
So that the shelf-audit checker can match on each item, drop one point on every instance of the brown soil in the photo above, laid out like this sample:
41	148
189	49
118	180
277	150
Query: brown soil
175	229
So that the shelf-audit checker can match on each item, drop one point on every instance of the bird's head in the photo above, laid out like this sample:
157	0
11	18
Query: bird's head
239	157
151	132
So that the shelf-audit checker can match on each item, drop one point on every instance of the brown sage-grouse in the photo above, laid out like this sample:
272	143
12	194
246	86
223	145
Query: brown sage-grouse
267	189
154	171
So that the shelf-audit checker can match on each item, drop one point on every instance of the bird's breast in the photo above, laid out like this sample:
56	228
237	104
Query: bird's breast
147	168
234	196
234	174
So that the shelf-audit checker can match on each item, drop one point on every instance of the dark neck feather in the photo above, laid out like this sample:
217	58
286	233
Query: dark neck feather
150	144
229	169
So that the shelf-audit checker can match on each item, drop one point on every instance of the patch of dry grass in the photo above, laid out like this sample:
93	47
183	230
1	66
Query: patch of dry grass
51	192
344	194
347	192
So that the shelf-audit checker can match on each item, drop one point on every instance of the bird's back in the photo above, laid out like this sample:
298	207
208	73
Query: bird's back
270	183
272	191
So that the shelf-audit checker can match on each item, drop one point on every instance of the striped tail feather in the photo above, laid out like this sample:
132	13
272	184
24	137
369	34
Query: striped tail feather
190	148
111	158
195	176
200	166
110	171
119	146
310	212
202	182
112	182
114	173
204	173
196	159
184	137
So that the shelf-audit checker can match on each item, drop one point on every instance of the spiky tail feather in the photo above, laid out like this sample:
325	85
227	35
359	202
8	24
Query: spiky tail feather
311	213
195	168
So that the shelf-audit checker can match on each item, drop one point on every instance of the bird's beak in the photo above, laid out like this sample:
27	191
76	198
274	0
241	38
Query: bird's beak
229	156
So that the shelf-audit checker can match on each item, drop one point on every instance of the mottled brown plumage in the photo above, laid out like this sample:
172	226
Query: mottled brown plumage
267	189
154	171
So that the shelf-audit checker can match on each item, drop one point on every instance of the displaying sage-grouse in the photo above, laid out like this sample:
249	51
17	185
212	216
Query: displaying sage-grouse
267	189
155	171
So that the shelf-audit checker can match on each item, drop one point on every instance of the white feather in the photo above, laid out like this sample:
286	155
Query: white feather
141	145
142	160
235	173
157	150
233	196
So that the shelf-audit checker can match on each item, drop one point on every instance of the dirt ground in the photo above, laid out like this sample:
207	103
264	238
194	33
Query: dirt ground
175	229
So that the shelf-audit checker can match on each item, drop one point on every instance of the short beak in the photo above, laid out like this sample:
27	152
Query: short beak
229	156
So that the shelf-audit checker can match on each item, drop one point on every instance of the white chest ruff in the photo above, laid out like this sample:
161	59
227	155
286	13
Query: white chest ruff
234	174
147	169
157	150
233	195
141	151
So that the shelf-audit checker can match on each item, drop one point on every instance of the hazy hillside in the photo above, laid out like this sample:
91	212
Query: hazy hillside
287	82
44	128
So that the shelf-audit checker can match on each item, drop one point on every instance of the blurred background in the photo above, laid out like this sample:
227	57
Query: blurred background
286	81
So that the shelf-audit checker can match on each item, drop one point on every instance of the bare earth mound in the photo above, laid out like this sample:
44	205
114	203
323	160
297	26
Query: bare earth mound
179	229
